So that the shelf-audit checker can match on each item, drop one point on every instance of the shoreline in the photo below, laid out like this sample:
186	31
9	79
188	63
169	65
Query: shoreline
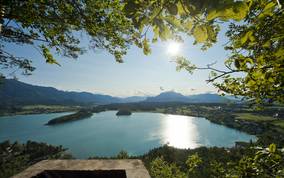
39	109
209	117
226	115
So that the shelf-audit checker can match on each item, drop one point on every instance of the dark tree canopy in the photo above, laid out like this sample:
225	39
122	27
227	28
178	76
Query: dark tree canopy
52	25
255	35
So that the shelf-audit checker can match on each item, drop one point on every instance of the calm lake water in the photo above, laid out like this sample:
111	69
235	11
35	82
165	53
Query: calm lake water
105	134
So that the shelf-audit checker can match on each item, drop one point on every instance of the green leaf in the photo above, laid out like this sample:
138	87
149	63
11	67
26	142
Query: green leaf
156	34
240	10
173	21
272	148
211	34
251	37
246	37
165	33
181	9
172	9
279	52
267	44
269	6
236	11
48	56
212	15
200	33
267	10
188	25
146	47
182	63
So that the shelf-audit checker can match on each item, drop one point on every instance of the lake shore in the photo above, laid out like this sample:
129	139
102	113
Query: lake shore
38	109
232	116
214	114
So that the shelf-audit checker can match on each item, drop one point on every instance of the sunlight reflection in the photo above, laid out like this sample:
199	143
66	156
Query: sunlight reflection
180	132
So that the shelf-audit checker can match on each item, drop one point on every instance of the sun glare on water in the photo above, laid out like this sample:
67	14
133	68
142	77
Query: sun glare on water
180	132
173	48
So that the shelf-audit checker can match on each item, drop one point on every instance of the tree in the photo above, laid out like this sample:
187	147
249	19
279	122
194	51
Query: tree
263	162
16	157
255	68
122	155
161	169
51	26
257	52
255	33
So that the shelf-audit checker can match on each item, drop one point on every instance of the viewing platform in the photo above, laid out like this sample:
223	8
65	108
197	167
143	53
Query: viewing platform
110	168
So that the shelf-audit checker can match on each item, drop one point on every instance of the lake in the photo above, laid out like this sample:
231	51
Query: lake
105	134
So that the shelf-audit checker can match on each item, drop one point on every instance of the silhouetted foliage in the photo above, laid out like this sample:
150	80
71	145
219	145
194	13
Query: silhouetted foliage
15	157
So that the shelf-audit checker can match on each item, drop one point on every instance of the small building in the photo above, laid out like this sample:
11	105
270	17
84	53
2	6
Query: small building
275	115
108	168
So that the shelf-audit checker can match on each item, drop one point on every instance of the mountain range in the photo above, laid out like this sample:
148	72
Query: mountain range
172	96
14	92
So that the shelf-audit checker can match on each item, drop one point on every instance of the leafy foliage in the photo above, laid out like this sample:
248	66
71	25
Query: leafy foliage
257	53
255	40
161	169
193	162
263	163
15	157
51	26
122	155
255	46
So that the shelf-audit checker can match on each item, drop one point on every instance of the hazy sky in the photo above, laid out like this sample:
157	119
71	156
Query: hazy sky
98	72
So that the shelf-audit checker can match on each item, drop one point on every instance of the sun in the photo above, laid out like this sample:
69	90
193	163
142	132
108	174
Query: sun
173	48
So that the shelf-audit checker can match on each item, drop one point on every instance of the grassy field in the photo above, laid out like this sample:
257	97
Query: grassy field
258	118
279	123
31	107
38	109
254	117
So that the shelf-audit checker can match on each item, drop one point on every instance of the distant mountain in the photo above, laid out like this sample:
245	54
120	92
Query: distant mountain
208	98
177	97
14	92
133	99
169	96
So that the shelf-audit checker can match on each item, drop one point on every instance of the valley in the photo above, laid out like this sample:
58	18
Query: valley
161	129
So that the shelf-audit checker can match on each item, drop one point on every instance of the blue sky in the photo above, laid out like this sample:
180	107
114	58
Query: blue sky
98	72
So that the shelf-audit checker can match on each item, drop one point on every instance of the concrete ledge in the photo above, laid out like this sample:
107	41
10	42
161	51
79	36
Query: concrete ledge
134	167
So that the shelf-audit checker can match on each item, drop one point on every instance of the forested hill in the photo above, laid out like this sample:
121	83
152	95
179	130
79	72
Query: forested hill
13	92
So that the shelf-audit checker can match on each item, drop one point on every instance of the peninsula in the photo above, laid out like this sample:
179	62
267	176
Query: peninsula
82	114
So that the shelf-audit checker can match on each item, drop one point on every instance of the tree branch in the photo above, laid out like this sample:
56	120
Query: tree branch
223	74
211	68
